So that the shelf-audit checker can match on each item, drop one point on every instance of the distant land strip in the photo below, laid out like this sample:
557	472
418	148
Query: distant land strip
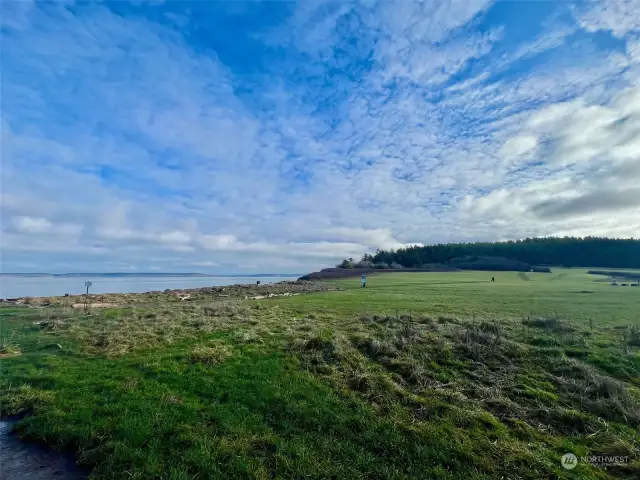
132	275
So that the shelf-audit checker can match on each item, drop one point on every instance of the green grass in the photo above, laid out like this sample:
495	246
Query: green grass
571	293
415	376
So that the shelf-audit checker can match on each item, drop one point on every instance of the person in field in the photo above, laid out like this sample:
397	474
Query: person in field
363	280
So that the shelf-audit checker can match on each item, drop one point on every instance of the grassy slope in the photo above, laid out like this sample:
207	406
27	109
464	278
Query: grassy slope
333	385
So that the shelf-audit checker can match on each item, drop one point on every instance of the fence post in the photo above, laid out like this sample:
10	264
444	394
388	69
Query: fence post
86	298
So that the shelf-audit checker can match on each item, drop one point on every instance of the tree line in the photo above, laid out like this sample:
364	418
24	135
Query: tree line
565	251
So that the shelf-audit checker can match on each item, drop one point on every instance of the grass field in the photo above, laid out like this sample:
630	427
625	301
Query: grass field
419	375
571	293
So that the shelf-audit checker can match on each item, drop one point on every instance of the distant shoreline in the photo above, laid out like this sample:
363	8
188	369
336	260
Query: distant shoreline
336	273
253	291
143	275
59	285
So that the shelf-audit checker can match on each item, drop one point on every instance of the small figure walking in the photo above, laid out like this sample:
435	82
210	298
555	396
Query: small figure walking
493	279
363	280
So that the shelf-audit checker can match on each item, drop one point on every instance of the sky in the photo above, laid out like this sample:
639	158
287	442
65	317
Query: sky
269	136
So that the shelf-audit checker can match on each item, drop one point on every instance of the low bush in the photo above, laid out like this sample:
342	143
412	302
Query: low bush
552	324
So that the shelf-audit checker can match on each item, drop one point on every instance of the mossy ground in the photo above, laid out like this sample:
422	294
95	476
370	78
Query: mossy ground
416	376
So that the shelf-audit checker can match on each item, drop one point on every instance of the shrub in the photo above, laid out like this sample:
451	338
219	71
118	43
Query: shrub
345	264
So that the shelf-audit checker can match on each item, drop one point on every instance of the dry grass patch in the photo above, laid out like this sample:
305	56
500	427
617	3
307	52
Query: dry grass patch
210	355
475	374
8	348
119	331
23	397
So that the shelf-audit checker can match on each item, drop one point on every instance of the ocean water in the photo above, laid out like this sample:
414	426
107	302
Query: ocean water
27	461
13	287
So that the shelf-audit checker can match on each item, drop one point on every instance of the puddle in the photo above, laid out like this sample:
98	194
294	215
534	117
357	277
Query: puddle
26	461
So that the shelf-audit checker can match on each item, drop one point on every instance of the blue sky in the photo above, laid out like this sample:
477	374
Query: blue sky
276	136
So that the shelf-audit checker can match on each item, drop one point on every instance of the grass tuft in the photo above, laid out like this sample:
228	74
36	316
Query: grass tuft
210	355
9	348
23	398
552	324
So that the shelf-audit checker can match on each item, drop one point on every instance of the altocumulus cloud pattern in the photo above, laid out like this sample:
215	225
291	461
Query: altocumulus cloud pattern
244	136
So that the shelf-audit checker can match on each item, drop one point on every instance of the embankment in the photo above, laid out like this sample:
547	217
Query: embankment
105	300
333	273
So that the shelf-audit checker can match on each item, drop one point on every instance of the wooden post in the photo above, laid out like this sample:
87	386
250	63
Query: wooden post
86	298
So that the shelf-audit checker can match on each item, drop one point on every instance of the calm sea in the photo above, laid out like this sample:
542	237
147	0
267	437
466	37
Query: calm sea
13	287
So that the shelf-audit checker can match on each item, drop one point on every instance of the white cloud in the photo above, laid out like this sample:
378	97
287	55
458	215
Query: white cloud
378	125
32	224
175	237
517	146
38	225
597	151
618	16
205	264
370	238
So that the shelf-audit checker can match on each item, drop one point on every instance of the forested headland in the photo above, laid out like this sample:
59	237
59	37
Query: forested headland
558	251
